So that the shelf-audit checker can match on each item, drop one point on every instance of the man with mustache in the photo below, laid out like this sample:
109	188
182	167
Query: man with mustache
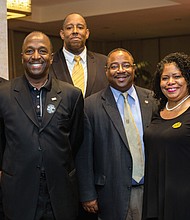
74	34
104	162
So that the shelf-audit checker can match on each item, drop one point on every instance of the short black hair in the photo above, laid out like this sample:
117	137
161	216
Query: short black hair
118	49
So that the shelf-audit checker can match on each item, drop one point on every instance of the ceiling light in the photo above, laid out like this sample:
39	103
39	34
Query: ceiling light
18	8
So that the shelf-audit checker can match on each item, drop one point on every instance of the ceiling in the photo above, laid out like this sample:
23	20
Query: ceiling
111	20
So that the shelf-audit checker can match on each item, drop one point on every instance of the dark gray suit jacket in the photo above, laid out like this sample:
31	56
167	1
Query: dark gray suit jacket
104	162
24	142
96	78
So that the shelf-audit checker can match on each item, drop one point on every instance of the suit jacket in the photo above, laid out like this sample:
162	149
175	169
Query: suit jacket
96	77
25	142
104	162
2	80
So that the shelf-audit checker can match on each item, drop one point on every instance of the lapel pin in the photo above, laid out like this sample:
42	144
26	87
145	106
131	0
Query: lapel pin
54	99
177	125
51	109
146	101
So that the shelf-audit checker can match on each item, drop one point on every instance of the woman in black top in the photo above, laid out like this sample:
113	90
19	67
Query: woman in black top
167	143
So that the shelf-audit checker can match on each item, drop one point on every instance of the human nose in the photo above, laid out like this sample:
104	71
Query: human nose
120	68
171	80
36	55
75	29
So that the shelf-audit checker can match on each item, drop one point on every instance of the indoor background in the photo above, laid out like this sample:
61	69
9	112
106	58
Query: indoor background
149	29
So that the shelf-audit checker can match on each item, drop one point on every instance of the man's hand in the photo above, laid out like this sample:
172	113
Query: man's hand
90	206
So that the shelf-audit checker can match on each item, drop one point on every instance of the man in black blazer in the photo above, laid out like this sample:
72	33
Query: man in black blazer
104	161
74	34
41	121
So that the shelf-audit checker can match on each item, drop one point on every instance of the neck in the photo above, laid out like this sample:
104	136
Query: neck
75	51
179	104
38	83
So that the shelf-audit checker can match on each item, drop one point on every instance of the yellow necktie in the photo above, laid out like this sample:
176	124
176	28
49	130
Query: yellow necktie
133	138
78	74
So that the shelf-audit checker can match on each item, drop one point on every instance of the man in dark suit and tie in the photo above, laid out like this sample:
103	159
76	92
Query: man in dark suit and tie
41	129
105	163
74	34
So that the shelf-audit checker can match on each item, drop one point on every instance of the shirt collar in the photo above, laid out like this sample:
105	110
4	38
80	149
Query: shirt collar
46	86
70	56
131	91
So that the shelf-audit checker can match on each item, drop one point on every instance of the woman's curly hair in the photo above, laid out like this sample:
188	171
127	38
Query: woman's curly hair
182	62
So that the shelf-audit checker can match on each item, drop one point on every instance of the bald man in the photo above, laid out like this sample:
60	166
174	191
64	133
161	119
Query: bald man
41	121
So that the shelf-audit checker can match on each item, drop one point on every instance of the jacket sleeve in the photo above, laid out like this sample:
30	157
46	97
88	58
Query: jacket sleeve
76	134
84	165
2	141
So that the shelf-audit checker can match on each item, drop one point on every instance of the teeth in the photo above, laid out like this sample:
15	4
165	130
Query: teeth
36	64
172	90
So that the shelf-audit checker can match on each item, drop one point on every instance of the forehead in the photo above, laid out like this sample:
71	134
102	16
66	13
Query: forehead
74	19
36	41
120	56
170	68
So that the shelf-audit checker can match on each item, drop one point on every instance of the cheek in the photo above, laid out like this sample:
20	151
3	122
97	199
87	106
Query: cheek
83	34
162	84
183	83
65	35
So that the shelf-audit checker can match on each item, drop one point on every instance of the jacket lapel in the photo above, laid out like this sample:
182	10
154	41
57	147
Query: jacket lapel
145	106
23	97
91	71
110	107
60	68
51	104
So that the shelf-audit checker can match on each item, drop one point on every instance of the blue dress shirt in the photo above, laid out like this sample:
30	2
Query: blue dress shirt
136	112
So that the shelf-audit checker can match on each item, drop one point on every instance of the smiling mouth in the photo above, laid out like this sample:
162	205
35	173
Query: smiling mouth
122	76
171	89
36	65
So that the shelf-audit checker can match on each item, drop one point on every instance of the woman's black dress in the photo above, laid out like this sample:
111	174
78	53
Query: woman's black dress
167	169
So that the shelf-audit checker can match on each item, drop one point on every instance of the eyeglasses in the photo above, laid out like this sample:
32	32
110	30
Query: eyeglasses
116	66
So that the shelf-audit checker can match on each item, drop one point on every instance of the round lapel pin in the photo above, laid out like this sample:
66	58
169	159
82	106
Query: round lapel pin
50	108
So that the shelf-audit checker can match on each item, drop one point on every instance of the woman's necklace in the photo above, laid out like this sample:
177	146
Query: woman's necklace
171	109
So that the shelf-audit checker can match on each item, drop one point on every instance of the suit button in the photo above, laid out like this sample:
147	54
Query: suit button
129	187
130	168
39	148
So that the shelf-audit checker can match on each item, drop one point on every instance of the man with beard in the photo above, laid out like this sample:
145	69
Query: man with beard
41	129
74	34
105	161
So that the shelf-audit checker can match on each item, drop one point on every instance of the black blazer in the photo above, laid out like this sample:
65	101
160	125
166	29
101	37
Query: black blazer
2	80
104	162
25	141
96	77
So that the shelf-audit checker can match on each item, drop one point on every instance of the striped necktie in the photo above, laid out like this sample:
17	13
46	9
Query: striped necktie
78	74
133	138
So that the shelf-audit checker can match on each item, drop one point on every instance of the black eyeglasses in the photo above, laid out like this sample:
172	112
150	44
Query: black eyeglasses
116	66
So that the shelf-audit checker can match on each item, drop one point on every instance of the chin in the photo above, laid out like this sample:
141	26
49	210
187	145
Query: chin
36	76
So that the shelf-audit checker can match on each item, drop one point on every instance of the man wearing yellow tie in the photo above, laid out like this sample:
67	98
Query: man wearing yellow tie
110	162
91	77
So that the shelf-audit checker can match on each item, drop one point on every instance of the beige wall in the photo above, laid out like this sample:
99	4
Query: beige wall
3	40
